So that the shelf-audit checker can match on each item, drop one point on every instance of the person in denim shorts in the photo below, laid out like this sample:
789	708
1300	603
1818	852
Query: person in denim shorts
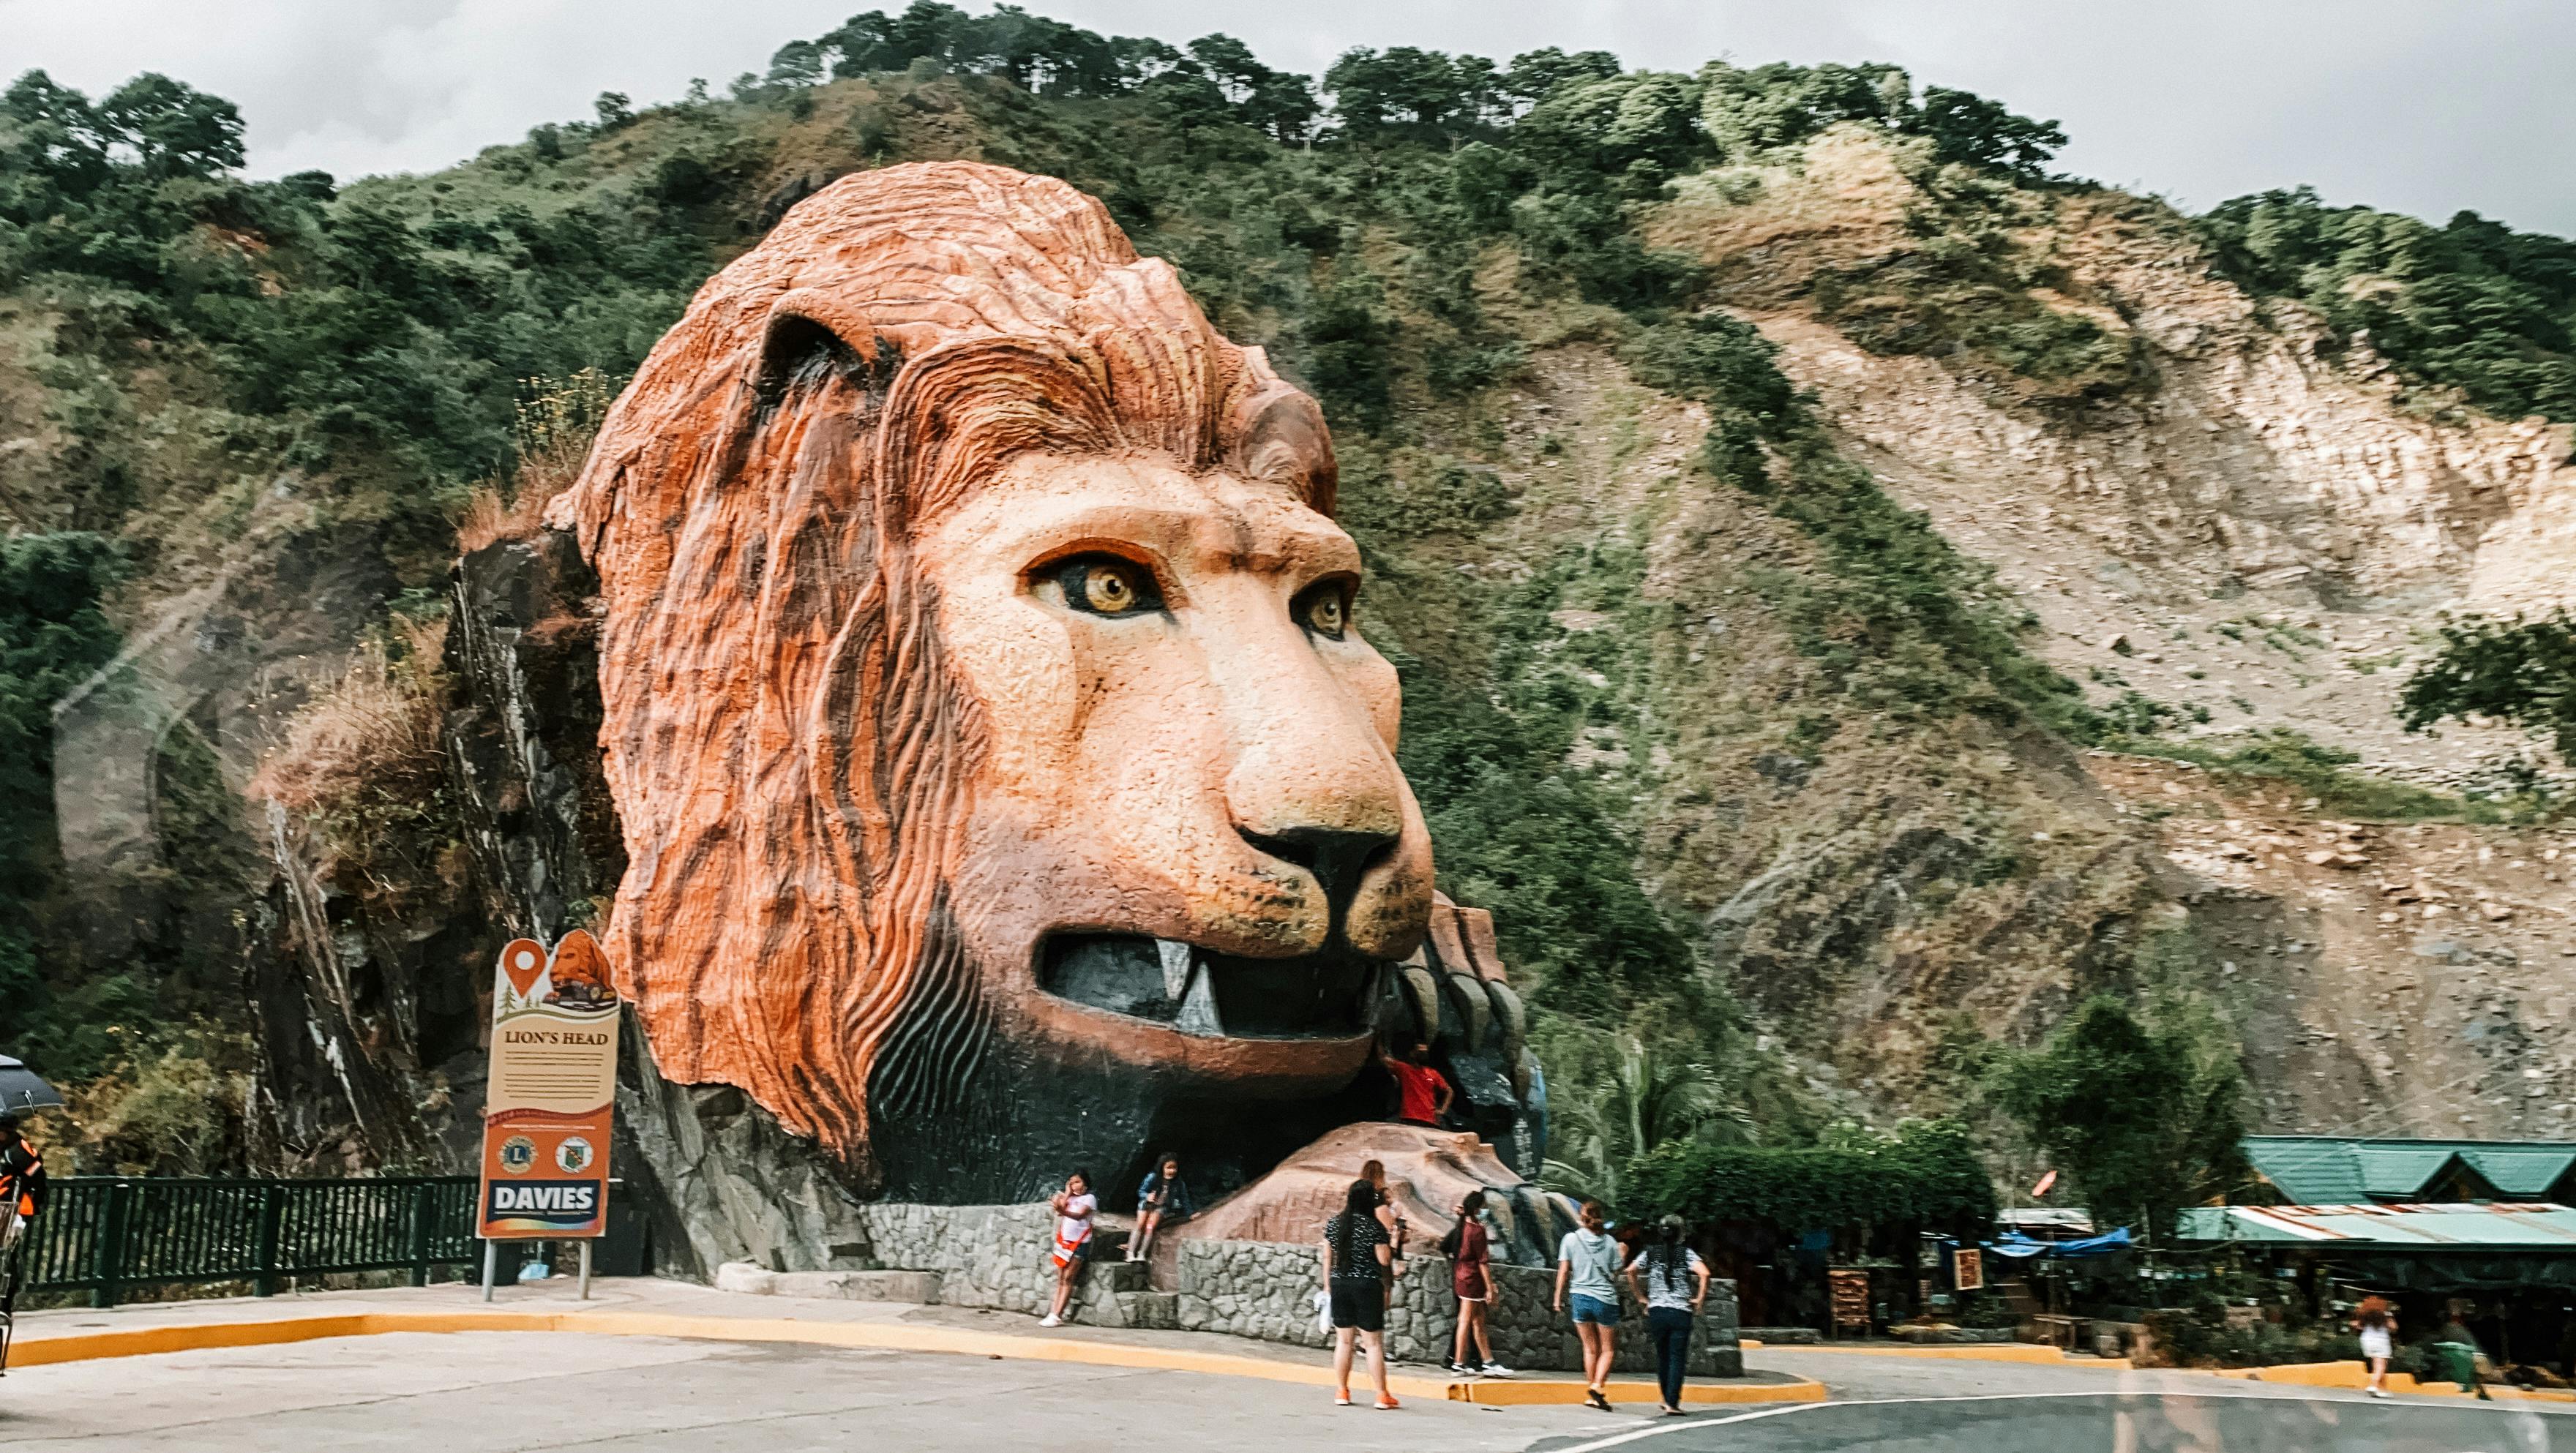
1587	1268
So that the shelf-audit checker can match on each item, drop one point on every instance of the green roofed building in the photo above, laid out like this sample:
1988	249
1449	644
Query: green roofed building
2502	1246
2326	1170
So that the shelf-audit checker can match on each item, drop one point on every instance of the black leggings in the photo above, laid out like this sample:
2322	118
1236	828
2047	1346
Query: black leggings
1670	1330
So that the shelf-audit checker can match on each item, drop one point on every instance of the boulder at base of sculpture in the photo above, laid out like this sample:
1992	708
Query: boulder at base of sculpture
1428	1172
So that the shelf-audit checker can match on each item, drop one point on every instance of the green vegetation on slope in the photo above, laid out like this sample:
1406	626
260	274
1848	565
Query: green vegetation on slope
52	637
2520	671
2471	305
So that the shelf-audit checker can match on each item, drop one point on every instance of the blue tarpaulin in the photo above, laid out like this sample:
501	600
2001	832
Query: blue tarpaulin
2022	1248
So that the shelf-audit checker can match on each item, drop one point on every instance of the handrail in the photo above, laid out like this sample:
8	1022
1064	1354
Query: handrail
102	1234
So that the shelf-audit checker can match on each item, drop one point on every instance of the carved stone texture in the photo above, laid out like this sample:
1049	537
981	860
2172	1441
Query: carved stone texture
1002	779
1428	1172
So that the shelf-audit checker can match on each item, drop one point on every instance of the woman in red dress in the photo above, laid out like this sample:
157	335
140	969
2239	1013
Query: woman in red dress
1471	1276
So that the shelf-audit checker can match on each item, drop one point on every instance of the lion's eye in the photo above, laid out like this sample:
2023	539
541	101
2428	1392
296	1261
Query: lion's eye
1324	609
1104	585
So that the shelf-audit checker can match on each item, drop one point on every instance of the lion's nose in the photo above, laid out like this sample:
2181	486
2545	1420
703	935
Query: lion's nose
1336	856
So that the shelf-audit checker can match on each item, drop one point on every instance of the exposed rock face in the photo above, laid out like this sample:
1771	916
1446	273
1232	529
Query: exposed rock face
522	734
2261	530
384	1065
2261	469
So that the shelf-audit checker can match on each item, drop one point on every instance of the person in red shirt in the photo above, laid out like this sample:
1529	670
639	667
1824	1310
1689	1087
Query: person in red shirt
1423	1094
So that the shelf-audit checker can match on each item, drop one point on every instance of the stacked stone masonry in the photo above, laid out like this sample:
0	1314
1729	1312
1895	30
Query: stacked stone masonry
995	1257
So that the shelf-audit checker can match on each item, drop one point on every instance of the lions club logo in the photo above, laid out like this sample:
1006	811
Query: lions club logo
519	1155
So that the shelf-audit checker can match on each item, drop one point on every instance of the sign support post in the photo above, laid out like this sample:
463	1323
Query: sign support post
491	1253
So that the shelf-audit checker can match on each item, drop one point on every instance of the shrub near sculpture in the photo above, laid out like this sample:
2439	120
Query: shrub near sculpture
1003	780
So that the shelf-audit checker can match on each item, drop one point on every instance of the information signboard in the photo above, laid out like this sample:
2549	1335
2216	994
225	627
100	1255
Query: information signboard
1967	1269
1849	1289
552	1094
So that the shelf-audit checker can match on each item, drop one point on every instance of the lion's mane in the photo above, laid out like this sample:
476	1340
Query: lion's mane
790	759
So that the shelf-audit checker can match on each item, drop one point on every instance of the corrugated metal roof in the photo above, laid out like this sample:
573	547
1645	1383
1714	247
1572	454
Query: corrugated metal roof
2516	1226
2331	1170
2399	1170
2308	1169
2521	1170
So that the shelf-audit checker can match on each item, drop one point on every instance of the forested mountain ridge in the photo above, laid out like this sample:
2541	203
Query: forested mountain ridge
1637	378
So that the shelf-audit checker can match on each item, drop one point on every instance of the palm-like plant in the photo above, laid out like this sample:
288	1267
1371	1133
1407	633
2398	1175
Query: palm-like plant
1646	1100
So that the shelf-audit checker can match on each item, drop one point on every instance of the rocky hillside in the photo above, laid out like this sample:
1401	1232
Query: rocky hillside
1857	596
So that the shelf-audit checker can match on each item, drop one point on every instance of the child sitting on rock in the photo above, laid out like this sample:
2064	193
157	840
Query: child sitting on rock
1164	1197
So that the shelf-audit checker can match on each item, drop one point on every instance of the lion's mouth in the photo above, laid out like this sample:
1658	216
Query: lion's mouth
1331	994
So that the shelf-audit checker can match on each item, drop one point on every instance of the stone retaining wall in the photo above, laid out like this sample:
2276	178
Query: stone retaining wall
993	1256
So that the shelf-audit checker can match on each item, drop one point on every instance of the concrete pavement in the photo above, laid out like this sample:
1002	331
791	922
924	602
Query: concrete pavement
508	1392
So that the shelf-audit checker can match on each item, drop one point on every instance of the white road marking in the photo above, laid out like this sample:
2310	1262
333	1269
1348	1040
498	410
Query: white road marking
2465	1405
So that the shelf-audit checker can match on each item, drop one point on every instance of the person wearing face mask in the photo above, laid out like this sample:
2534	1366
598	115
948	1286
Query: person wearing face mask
1470	1250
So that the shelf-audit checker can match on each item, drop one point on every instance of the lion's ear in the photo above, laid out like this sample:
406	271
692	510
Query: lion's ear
800	352
1280	435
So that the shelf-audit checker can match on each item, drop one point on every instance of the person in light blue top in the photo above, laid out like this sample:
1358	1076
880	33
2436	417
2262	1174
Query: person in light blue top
1587	1268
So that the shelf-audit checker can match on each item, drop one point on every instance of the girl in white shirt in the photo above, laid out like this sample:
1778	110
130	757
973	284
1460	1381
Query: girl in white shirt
1672	1281
1073	1207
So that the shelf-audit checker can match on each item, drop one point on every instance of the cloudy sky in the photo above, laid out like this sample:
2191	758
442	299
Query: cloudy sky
2425	106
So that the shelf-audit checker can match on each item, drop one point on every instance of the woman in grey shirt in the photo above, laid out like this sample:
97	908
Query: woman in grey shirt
1587	1267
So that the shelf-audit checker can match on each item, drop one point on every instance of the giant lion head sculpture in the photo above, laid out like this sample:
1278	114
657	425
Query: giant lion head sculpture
1002	775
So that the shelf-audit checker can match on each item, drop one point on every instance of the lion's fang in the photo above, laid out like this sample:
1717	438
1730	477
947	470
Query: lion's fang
1176	968
1198	1006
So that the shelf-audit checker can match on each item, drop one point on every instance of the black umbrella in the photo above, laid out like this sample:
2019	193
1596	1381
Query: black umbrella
20	1090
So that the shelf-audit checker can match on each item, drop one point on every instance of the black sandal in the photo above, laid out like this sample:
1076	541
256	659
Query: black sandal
1593	1396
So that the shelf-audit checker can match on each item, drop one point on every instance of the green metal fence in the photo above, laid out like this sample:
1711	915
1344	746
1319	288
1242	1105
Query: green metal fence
102	1234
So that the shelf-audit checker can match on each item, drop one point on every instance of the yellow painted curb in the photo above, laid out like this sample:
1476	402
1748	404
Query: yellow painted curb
1541	1392
879	1336
1963	1352
2346	1374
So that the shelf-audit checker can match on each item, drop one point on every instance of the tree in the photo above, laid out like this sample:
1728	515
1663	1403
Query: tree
1969	129
2523	672
1281	103
175	130
797	63
2141	1118
1407	94
1648	1100
1534	74
1749	112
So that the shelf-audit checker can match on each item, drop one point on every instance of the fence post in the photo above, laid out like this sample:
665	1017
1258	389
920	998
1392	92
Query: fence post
272	1216
107	1255
423	1206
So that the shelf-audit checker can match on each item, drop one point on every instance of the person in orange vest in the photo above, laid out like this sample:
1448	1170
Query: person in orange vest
22	1172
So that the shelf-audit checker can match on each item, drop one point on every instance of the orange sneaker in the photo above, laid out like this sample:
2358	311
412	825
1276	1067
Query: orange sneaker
1342	1399
1386	1402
